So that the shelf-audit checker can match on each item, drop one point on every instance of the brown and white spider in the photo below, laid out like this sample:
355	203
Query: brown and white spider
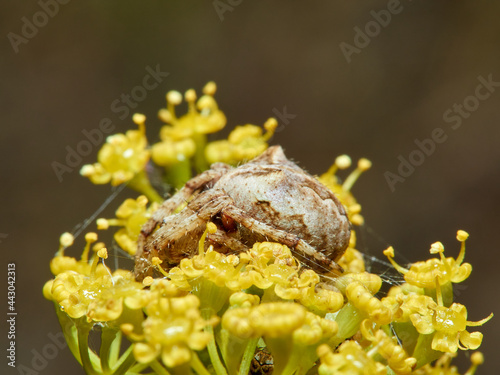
268	198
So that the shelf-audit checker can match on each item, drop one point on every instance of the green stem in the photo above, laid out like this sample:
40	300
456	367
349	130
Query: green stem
248	356
281	349
108	336
141	184
200	162
138	368
231	349
83	345
212	346
301	359
423	350
114	351
184	369
158	368
179	173
348	319
407	335
214	355
198	366
69	331
126	361
446	293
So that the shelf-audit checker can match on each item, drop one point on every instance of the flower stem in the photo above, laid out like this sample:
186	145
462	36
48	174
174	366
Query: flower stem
179	173
114	351
348	319
443	293
423	350
108	337
301	360
248	356
212	346
138	368
200	162
198	366
281	350
127	361
214	355
69	331
83	345
141	184
158	368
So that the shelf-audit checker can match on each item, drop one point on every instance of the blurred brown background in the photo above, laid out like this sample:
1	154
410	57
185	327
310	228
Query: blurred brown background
264	56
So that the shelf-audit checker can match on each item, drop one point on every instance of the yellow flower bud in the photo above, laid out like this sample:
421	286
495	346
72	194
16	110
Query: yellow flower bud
342	191
66	239
462	235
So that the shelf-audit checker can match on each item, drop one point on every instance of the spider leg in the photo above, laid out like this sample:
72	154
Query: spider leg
185	228
193	186
308	253
214	201
221	238
178	235
175	226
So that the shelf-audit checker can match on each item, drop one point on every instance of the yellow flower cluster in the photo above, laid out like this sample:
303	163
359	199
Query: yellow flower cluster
437	316
121	158
444	270
352	261
182	137
244	143
247	318
363	300
343	190
61	263
396	357
173	327
182	147
443	365
172	330
268	266
131	216
349	358
90	290
213	312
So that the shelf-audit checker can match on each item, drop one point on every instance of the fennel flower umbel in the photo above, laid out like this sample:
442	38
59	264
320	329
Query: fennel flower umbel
251	312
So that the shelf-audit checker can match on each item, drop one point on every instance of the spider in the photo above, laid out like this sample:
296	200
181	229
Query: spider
268	198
